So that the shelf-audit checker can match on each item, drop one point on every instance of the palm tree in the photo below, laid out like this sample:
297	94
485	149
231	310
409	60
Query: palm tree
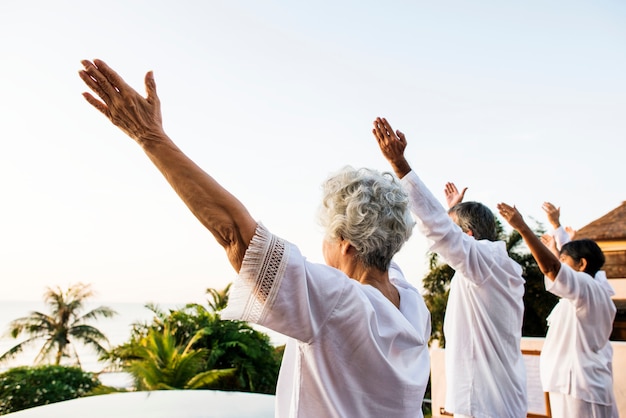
224	345
163	364
220	298
63	325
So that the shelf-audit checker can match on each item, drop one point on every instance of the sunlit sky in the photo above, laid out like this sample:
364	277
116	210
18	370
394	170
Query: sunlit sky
523	102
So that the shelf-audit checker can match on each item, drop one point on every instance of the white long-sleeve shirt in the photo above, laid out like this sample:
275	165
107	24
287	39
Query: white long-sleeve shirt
577	356
352	353
485	371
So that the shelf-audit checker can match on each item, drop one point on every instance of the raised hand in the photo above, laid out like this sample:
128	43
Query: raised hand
571	232
512	216
554	214
546	259
549	241
453	197
139	117
392	144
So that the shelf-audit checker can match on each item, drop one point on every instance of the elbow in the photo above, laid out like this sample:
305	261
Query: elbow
551	270
235	245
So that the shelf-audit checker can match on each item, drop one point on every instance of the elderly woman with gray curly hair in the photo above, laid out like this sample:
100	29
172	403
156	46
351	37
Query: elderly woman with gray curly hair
358	330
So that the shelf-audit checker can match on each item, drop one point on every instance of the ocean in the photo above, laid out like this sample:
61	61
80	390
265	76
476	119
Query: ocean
116	329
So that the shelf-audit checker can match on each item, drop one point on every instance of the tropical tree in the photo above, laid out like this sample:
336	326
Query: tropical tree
537	302
162	363
225	345
64	324
219	298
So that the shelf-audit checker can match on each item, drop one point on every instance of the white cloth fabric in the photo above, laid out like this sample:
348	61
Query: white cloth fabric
577	357
565	406
603	281
561	237
352	353
485	371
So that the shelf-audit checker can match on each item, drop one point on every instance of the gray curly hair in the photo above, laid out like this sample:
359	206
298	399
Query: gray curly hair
370	210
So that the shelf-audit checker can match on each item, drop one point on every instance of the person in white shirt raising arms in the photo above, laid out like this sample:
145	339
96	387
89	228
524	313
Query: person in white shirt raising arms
359	331
485	372
576	363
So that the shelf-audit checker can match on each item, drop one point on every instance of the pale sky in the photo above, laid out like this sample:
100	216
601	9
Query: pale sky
523	102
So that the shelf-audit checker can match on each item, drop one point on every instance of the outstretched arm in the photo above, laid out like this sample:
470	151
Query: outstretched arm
453	197
546	260
392	145
140	118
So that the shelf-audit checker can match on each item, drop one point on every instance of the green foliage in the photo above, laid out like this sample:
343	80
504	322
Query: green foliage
26	387
164	364
219	298
233	355
437	288
537	302
65	323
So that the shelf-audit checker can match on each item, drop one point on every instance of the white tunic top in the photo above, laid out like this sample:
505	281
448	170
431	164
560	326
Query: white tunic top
485	371
352	353
577	356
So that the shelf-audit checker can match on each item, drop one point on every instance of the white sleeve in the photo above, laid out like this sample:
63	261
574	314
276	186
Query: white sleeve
570	284
561	237
277	288
462	252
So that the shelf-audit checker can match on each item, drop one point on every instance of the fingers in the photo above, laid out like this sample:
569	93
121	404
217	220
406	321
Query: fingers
549	207
378	130
383	129
97	81
505	210
401	137
151	92
450	188
114	80
97	104
88	75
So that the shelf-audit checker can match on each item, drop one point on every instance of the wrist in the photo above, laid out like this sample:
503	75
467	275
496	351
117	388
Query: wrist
401	168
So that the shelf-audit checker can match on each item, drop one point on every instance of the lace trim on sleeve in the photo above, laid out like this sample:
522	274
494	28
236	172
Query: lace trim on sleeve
253	293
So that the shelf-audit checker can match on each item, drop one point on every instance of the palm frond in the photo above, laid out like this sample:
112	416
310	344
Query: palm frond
209	378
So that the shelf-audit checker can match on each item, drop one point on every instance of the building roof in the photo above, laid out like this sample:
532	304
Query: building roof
611	226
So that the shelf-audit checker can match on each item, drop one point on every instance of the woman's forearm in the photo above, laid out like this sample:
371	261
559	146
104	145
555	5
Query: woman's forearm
216	208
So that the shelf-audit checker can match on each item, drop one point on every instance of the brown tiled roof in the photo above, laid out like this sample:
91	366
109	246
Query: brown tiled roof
611	226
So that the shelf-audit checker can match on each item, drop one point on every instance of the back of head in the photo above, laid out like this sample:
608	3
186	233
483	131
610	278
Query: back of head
476	217
370	210
587	249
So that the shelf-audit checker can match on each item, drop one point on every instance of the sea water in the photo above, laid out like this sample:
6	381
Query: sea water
117	329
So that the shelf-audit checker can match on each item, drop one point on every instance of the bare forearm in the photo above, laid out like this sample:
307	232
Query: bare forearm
548	263
218	210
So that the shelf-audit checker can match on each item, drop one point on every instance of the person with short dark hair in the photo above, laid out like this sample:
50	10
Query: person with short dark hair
485	371
576	363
